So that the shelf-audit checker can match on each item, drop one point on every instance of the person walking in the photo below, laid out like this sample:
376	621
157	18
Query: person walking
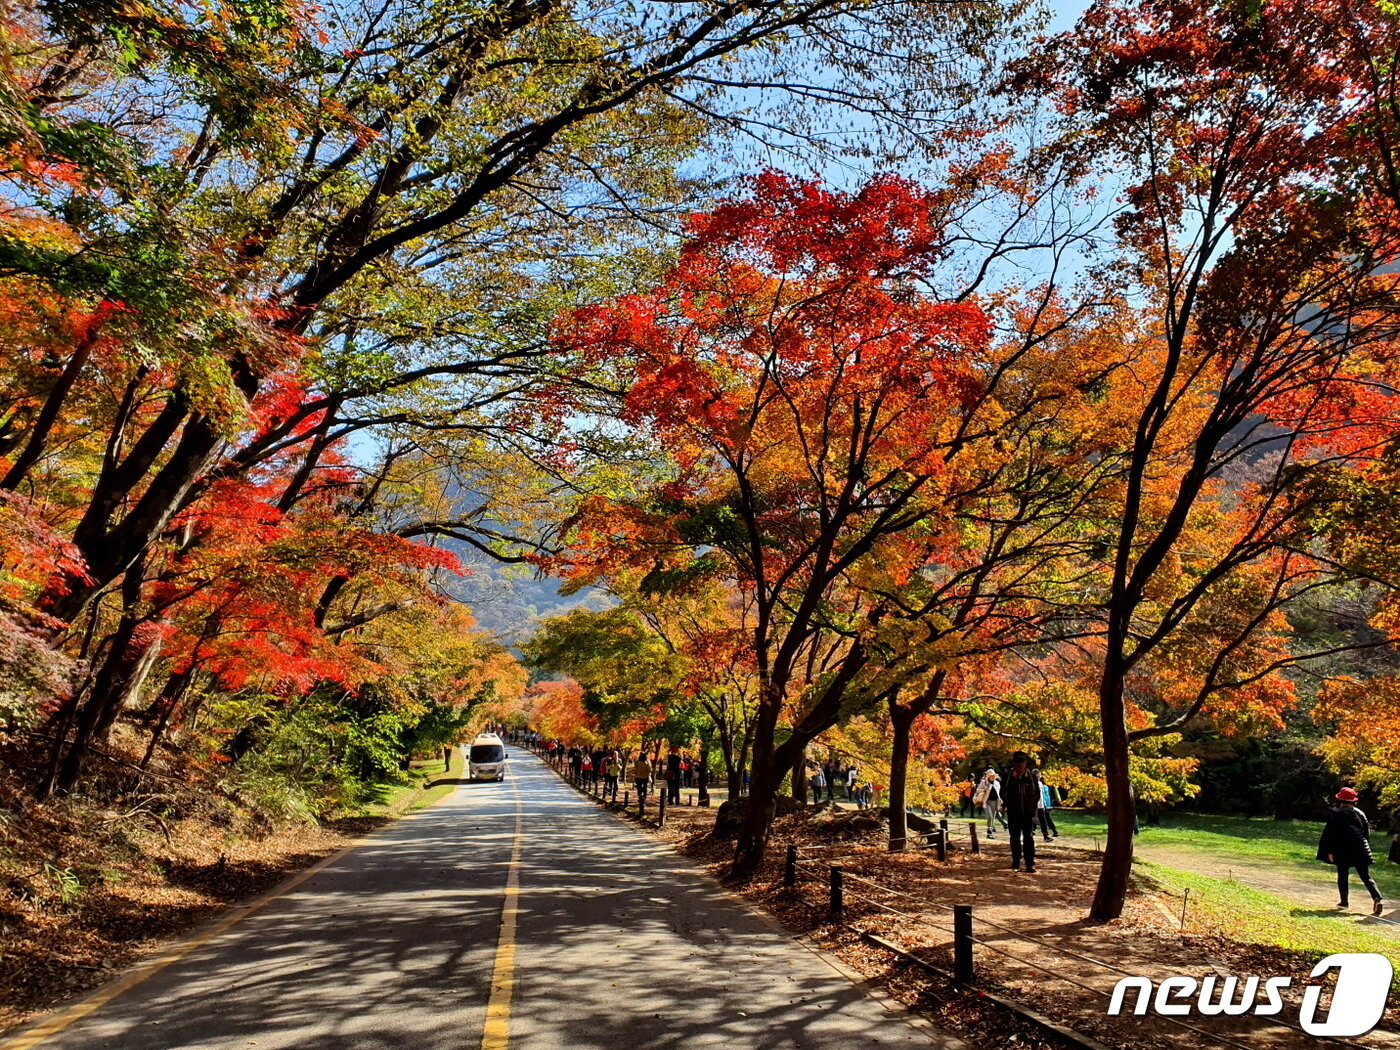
641	776
816	780
831	773
968	790
1047	803
1021	797
851	778
1346	844
611	772
988	796
673	776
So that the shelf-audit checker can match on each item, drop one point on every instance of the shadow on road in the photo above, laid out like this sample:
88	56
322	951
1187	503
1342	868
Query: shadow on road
392	946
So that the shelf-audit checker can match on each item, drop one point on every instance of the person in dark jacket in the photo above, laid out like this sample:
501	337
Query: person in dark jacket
1346	843
673	776
1020	795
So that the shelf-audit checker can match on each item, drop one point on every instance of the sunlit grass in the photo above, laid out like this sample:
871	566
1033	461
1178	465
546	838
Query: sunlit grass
1248	843
421	785
1245	914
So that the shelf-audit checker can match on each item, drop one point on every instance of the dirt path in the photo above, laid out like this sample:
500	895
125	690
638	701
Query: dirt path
1311	894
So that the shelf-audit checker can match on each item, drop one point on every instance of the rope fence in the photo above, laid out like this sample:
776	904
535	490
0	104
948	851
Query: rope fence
964	940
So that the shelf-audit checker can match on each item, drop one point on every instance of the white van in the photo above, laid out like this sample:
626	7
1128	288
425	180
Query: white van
486	758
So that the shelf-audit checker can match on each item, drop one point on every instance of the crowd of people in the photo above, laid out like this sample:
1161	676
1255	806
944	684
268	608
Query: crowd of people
842	780
987	794
1019	803
602	770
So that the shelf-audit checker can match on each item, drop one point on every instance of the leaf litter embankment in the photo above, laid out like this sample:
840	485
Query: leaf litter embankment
1064	973
89	887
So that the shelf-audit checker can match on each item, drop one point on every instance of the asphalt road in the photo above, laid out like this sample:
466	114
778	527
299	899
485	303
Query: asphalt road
611	942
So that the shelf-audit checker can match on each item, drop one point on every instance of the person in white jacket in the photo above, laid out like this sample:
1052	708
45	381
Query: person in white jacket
988	796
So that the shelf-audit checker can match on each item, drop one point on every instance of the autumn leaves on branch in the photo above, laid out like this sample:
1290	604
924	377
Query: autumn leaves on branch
1048	434
929	496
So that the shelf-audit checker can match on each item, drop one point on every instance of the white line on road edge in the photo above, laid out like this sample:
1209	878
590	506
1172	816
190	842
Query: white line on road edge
495	1034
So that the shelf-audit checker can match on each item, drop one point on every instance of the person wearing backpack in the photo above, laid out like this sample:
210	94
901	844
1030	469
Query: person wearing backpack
1346	844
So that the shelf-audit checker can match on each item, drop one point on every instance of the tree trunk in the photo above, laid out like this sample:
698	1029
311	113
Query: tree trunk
110	684
726	754
176	685
38	441
902	720
110	550
131	686
1117	866
741	762
59	726
734	778
702	775
763	793
96	715
799	775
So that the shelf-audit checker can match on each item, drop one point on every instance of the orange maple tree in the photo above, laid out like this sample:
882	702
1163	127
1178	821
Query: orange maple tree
1261	233
811	403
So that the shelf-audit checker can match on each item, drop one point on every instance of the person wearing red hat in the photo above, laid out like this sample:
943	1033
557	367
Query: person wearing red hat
1346	843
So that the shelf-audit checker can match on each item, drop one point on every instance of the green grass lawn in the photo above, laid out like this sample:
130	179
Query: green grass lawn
421	785
1250	843
1243	913
1244	860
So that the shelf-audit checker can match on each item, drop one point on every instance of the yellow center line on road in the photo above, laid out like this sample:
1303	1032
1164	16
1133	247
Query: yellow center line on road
495	1034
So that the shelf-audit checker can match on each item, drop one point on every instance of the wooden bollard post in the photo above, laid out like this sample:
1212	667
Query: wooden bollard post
962	943
940	842
838	902
972	830
661	810
626	798
790	867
